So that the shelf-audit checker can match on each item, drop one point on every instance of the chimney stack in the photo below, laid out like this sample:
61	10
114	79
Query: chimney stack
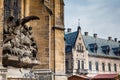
86	33
110	38
118	41
95	35
69	30
115	39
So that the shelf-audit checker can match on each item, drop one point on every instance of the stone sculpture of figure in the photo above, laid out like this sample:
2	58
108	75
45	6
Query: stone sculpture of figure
18	38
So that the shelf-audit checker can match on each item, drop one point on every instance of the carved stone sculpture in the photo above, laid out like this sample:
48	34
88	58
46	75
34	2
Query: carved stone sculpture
18	39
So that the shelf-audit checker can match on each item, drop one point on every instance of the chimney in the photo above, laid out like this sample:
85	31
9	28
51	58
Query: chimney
110	38
118	41
95	35
115	39
69	30
86	33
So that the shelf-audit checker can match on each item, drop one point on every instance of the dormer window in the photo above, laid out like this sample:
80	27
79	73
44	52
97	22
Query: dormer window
106	49
116	51
93	47
79	47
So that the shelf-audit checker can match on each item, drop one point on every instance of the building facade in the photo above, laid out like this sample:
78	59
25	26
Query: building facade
91	55
48	32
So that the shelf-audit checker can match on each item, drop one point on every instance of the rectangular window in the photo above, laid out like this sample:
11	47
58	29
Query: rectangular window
103	66
115	67
79	47
78	64
82	64
90	65
97	66
67	64
109	67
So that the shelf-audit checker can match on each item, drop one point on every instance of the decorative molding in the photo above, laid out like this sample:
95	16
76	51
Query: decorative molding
60	28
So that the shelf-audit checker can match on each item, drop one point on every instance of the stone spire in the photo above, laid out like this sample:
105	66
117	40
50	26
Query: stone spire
79	28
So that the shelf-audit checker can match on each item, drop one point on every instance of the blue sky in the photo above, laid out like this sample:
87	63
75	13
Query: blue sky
96	16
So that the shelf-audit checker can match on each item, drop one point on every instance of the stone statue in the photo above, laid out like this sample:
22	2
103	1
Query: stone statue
18	39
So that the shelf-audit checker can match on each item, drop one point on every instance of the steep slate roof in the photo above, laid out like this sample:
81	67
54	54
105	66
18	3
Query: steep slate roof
100	43
71	39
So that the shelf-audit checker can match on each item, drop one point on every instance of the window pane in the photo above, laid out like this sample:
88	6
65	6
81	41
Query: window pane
67	64
109	67
78	64
103	66
82	64
96	66
90	65
115	67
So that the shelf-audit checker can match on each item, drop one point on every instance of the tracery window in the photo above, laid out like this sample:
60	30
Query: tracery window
12	8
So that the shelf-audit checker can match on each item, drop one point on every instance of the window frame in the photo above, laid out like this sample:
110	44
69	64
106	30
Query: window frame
90	65
97	66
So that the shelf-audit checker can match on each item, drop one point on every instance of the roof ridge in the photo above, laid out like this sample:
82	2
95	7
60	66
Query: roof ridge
70	32
101	39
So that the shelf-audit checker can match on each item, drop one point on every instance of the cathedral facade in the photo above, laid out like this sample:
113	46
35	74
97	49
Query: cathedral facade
46	60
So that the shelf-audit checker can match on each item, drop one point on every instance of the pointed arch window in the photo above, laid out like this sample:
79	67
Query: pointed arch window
12	8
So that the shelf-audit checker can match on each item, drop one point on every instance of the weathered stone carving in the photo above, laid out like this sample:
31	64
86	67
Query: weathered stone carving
18	39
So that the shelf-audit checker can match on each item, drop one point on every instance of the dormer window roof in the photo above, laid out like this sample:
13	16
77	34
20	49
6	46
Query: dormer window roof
116	51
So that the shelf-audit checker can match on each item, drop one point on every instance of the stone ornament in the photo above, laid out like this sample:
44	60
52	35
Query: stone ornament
18	39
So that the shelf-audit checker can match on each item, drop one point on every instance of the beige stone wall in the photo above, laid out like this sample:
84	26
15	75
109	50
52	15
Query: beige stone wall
106	61
59	52
40	30
82	56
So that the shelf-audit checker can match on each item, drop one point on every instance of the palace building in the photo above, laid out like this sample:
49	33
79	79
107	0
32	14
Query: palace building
90	55
32	49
